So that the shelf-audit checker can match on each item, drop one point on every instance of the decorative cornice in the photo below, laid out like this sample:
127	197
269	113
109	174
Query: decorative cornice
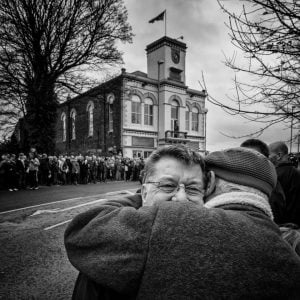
165	41
173	83
139	132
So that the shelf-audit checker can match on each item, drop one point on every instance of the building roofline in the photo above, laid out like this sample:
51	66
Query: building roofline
197	92
90	91
126	75
165	40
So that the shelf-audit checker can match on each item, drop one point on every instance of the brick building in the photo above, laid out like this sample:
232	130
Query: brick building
134	113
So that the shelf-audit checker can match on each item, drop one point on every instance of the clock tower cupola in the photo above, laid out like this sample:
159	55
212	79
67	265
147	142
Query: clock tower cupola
166	60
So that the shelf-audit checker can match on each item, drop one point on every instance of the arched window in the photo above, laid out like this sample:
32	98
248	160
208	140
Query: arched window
110	100
73	124
64	126
187	118
174	115
110	117
136	110
90	114
195	119
148	112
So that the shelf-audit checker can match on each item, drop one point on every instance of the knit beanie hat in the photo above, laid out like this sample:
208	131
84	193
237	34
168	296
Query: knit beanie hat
243	166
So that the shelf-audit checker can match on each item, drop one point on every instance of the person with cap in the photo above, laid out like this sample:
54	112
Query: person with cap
277	198
242	176
165	244
230	184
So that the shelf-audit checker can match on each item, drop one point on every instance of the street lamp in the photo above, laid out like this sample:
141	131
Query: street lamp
293	107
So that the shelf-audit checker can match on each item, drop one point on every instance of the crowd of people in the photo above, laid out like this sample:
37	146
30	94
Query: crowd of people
29	172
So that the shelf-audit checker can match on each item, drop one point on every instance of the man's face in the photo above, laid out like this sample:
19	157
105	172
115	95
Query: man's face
168	173
275	157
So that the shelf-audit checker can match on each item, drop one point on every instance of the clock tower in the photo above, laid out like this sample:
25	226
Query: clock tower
166	60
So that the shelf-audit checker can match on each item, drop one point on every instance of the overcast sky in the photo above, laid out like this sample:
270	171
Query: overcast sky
201	22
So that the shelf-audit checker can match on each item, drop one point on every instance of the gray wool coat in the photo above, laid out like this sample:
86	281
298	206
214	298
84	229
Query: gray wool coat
182	251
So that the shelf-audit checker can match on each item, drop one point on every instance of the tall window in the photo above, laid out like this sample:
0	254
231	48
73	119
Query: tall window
73	124
136	110
195	119
64	127
148	112
110	118
174	114
187	119
90	113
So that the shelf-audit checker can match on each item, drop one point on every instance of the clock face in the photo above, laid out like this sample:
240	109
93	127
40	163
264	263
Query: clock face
175	56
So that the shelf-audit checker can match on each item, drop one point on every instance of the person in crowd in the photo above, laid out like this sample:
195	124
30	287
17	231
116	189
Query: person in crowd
45	170
118	169
54	168
75	170
110	168
69	173
277	198
3	171
32	170
165	244
93	168
80	162
135	169
12	175
84	170
101	171
126	171
21	165
63	170
289	178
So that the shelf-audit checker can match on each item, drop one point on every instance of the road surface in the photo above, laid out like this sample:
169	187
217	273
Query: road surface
19	199
33	261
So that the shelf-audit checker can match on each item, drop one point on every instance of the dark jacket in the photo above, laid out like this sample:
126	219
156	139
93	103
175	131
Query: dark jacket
289	178
175	250
21	166
278	204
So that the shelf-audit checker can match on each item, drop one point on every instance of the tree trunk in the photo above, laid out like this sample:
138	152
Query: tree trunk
40	118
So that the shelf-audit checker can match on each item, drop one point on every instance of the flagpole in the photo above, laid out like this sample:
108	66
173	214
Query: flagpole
166	23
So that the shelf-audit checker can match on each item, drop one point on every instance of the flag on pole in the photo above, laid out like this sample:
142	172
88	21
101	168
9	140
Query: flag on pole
160	17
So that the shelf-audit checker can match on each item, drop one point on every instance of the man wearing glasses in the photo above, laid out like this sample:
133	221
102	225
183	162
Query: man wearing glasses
174	174
165	244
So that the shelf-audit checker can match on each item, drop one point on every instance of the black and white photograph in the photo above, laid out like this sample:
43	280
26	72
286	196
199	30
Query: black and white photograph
149	149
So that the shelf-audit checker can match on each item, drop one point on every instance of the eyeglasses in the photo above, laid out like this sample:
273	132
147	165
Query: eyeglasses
172	188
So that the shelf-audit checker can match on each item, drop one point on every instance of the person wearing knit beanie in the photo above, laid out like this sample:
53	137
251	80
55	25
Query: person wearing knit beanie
243	176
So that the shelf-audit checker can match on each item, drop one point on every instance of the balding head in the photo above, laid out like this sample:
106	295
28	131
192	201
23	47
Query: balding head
278	152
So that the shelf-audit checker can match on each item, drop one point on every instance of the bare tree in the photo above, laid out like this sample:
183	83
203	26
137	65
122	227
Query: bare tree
268	34
46	47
